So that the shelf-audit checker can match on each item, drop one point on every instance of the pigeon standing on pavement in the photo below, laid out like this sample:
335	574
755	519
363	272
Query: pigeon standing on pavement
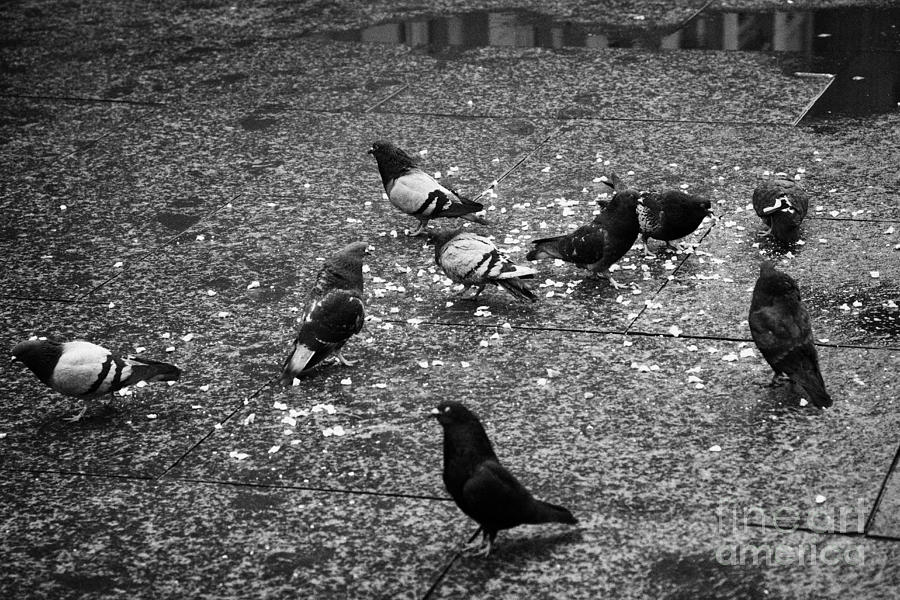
416	193
599	244
782	205
334	314
85	370
781	329
670	215
481	487
473	259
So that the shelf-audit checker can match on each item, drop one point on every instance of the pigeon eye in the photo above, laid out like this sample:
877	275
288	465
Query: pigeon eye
446	409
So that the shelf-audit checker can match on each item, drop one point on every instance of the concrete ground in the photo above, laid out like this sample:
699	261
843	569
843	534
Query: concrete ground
173	174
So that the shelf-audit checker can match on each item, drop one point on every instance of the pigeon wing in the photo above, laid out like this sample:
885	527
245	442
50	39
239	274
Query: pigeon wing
494	497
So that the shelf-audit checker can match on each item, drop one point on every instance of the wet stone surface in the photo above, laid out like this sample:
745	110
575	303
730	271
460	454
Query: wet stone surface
117	538
200	205
366	428
676	558
142	433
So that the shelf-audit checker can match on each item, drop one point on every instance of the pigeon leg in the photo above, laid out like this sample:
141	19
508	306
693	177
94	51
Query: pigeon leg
77	417
612	281
420	230
766	233
344	361
778	380
462	293
477	292
647	252
480	547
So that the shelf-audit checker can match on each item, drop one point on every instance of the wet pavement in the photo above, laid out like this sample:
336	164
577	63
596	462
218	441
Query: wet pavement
174	175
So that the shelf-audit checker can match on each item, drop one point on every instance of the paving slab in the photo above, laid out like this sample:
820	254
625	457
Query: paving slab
145	432
886	521
614	556
847	271
847	165
578	422
68	224
613	84
113	538
36	133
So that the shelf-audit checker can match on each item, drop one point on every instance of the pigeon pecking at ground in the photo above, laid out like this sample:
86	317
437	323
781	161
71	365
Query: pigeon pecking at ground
779	324
670	215
782	205
474	260
415	192
335	313
481	487
600	243
85	370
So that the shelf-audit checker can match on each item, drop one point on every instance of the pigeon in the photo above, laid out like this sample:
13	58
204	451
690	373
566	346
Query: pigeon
416	193
481	487
782	205
781	329
335	313
84	370
599	244
473	259
670	215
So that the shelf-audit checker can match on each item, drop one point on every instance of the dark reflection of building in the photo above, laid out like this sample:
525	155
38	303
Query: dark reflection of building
861	46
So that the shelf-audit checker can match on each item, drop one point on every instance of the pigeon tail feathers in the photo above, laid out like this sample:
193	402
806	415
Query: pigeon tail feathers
517	288
546	512
152	370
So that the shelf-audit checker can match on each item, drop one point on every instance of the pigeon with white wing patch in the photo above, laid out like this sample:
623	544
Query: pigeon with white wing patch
84	370
782	205
334	314
413	191
474	260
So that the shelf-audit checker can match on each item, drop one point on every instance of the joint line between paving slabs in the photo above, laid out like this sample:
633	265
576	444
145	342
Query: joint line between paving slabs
440	578
213	430
800	528
667	280
387	98
524	158
85	99
882	491
309	488
158	247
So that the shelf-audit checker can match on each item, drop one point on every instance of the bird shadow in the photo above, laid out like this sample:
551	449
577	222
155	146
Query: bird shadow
95	418
538	546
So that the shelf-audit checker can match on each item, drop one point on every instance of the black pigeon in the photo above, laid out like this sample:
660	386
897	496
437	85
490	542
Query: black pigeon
480	485
599	244
415	192
473	259
85	370
782	205
781	329
670	215
334	314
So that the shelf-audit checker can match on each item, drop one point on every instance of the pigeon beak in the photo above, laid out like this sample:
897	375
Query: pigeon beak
370	249
434	412
370	151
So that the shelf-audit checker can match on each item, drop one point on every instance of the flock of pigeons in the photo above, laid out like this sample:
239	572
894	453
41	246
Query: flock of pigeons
474	477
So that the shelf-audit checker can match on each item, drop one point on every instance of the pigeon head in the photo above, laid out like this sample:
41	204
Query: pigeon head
40	356
355	251
442	236
450	412
774	282
392	161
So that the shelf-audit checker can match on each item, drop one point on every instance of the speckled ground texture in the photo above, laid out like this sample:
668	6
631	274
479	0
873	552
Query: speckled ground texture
171	175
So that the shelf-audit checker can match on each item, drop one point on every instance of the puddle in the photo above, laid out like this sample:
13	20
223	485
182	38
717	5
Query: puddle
861	46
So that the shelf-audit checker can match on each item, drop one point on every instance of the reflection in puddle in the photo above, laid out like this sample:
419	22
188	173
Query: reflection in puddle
861	46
